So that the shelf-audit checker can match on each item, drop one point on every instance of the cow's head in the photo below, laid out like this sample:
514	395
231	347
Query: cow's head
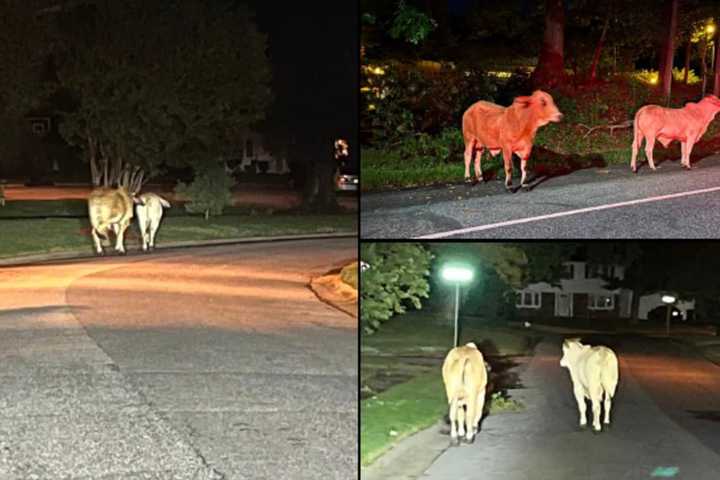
542	105
711	101
571	349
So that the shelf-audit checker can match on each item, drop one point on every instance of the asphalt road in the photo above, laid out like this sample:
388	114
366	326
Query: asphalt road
664	422
592	203
205	363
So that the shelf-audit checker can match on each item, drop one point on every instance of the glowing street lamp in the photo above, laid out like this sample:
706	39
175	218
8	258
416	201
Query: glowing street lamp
668	300
456	274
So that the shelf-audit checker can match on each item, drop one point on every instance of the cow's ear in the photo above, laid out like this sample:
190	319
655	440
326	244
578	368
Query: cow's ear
523	102
138	201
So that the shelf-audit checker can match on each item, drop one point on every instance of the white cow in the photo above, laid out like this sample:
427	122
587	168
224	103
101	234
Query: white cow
149	213
594	372
110	209
465	379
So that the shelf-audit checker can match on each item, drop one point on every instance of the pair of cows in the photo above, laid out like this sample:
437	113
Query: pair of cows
593	371
111	209
512	129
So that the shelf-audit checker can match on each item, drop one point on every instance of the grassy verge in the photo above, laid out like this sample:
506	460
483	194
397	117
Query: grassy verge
707	345
349	275
34	236
401	384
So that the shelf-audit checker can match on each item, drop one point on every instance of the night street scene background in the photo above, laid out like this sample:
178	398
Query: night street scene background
438	164
178	240
656	305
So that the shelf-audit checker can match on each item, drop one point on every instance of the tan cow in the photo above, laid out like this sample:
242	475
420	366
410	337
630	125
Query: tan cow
465	380
149	213
594	373
686	125
506	129
110	209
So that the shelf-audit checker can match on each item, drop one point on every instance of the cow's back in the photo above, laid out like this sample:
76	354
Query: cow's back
598	367
464	372
107	206
480	121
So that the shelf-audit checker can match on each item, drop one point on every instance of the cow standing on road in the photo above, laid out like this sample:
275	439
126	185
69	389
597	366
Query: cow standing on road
594	373
110	209
686	125
506	129
465	379
149	213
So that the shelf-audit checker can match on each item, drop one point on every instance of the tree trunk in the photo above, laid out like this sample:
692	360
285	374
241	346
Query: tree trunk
666	73
703	64
550	68
688	51
716	73
598	48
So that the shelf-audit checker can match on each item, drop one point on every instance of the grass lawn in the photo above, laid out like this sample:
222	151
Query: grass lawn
36	235
401	383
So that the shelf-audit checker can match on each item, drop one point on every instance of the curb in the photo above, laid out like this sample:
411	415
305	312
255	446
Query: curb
85	254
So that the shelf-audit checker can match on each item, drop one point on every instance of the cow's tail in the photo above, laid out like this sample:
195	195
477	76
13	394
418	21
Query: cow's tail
466	373
609	371
164	202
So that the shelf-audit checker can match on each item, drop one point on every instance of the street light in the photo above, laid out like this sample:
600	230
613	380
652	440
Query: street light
668	300
456	274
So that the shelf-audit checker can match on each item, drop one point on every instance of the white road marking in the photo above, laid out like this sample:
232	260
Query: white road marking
567	213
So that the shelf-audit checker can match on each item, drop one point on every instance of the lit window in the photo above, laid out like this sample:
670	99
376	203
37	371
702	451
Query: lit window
601	302
528	300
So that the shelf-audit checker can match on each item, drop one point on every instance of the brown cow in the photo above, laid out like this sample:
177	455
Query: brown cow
686	125
110	209
508	129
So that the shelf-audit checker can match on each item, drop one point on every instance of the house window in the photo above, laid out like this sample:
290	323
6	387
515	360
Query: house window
568	271
528	300
601	302
249	149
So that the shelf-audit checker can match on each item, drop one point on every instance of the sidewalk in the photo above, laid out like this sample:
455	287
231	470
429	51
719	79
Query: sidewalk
87	253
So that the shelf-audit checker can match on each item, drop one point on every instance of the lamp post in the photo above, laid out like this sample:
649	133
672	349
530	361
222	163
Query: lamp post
668	300
457	275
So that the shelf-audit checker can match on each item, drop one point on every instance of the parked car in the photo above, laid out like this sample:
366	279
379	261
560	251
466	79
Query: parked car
346	182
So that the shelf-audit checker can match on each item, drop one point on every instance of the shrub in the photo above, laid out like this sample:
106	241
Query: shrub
209	191
428	148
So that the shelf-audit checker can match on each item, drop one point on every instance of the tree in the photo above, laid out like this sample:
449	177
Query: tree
410	24
209	191
396	278
669	49
316	93
550	68
209	79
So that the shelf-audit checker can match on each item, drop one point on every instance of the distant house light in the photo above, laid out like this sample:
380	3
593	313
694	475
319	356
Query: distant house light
668	299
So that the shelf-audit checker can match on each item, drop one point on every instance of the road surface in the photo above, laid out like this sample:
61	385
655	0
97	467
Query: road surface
593	203
205	363
664	422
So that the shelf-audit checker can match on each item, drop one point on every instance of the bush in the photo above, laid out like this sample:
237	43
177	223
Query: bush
209	191
402	98
428	149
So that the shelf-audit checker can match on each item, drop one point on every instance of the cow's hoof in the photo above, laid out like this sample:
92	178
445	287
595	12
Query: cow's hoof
525	187
469	181
454	442
634	169
583	426
687	167
595	432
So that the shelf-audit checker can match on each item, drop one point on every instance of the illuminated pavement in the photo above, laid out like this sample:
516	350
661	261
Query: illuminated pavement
664	423
206	363
454	211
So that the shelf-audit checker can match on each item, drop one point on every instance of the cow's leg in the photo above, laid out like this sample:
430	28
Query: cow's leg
608	406
480	405
468	158
507	161
453	420
582	407
461	419
635	147
686	153
119	235
153	230
478	166
96	240
595	398
523	168
469	419
649	145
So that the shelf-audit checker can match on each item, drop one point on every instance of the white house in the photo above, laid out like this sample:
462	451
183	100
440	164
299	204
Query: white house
652	301
581	293
251	157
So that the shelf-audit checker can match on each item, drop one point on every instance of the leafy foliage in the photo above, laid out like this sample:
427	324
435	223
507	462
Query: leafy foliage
209	191
410	24
397	277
